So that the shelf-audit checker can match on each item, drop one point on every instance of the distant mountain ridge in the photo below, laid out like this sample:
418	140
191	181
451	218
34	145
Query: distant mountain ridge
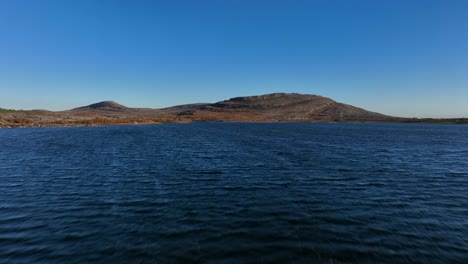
275	107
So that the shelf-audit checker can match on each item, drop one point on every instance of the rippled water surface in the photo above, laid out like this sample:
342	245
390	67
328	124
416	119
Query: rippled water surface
235	193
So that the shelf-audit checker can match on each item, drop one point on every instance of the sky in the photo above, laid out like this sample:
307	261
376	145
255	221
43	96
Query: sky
397	57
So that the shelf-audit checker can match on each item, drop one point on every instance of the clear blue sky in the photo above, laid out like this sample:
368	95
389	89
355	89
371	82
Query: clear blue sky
405	58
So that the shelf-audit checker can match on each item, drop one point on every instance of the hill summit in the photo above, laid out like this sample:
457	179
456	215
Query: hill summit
104	105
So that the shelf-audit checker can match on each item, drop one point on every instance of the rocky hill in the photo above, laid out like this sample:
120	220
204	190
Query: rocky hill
282	107
276	107
105	105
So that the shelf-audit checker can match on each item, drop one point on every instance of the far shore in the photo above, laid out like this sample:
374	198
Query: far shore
429	122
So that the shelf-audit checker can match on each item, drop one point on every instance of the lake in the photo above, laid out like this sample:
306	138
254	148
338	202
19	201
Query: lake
235	193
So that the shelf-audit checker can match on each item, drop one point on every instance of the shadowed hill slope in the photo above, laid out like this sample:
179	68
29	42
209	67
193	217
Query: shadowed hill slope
182	108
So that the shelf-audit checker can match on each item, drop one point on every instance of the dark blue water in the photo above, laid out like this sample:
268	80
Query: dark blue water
235	193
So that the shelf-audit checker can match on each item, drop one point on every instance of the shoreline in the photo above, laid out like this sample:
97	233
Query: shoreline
437	122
